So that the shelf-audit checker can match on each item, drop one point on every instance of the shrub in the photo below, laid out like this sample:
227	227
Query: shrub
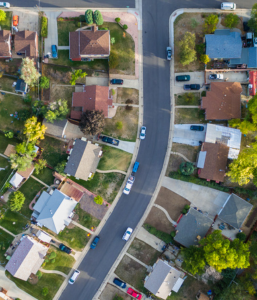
60	19
9	134
128	107
98	18
173	233
52	255
78	24
119	125
187	168
113	40
113	92
89	17
204	58
27	99
98	200
231	20
44	82
2	15
52	261
117	20
167	238
82	18
187	206
129	101
45	291
187	49
184	211
125	27
210	23
200	49
44	27
39	274
46	260
203	93
241	236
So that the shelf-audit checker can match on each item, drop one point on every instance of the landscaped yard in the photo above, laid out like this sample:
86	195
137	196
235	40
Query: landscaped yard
46	175
13	221
64	28
7	23
114	159
124	94
110	291
129	121
85	219
5	241
187	99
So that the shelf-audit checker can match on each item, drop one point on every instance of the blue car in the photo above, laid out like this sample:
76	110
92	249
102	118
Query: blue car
135	167
54	51
119	283
94	243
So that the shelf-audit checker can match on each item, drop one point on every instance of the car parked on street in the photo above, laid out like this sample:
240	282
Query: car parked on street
65	248
168	52
109	140
127	234
74	277
129	184
183	78
116	81
5	4
54	51
142	133
119	283
192	87
135	167
94	243
15	20
197	127
134	293
216	76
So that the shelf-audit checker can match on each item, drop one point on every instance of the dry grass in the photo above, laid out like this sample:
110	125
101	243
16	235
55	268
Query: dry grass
62	92
124	94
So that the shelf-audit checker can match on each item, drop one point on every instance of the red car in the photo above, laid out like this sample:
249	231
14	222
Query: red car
134	294
15	20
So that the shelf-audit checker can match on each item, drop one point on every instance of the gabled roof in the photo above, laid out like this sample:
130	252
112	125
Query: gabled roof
5	43
27	258
57	128
25	174
16	180
235	211
26	42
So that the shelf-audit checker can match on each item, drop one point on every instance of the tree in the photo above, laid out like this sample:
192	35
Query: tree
2	15
204	58
244	126
113	40
24	114
98	18
45	291
39	109
231	20
187	168
98	200
125	26
252	23
194	259
119	125
60	167
92	122
26	149
241	236
76	75
89	16
40	165
16	200
28	71
9	134
34	130
187	49
58	110
210	23
252	107
200	48
234	292
21	163
44	82
117	20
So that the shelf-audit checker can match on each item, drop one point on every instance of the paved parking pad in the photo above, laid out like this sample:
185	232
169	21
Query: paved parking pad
195	78
27	20
183	135
240	76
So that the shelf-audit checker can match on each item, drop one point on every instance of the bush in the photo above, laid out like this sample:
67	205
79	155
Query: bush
200	49
117	20
241	236
27	99
187	168
52	255
210	23
39	274
98	18
9	134
46	260
44	82
167	238
52	261
60	19
204	58
231	20
78	24
45	291
119	125
203	93
89	17
184	211
129	101
187	206
82	18
125	27
173	233
2	15
187	51
44	27
113	92
128	107
98	200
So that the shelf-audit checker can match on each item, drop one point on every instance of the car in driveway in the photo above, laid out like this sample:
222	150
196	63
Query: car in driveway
216	76
192	87
65	248
129	184
94	243
183	78
142	133
127	234
116	81
15	20
197	127
168	52
119	283
134	293
5	4
54	51
111	141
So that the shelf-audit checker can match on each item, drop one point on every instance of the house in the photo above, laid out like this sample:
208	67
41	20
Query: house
223	44
89	44
43	236
222	101
163	279
248	57
57	128
83	160
21	86
192	227
3	295
93	97
21	176
26	43
225	135
10	150
70	189
27	258
5	44
212	161
54	210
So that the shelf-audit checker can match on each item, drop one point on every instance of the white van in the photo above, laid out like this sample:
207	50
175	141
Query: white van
228	6
74	276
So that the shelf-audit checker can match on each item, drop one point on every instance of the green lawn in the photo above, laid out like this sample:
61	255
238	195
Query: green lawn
188	99
51	281
30	188
46	175
4	141
64	28
167	238
13	221
63	261
3	162
114	159
5	241
85	219
187	116
7	23
4	175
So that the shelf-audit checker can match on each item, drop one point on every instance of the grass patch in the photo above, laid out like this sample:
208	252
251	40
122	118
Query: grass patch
188	99
46	175
11	217
114	159
5	241
4	175
167	238
63	261
85	219
3	162
7	23
4	141
124	94
51	281
187	116
64	28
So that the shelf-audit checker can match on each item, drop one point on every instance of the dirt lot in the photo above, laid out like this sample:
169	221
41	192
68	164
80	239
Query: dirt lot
172	202
62	92
157	219
110	291
174	163
131	272
124	94
143	252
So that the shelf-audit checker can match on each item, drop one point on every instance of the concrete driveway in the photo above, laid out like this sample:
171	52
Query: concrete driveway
102	81
52	38
195	78
123	145
28	20
240	76
128	83
183	135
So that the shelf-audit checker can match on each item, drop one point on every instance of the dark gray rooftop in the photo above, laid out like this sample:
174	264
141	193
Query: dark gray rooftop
248	57
57	128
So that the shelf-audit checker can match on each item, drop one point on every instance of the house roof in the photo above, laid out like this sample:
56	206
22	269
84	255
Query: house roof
54	210
26	42
9	150
43	236
89	42
223	44
94	97
163	279
71	191
57	128
5	45
248	57
27	172
192	225
16	180
21	86
83	159
222	101
27	258
215	161
235	211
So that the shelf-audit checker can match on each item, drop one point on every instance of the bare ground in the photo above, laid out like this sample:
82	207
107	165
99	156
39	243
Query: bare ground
124	94
110	291
62	92
190	152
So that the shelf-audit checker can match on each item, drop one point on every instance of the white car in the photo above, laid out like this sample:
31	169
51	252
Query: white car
129	184
127	234
74	276
142	133
255	42
5	4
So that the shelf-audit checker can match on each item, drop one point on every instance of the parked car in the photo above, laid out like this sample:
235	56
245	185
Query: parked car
216	76
94	243
246	27
119	283
54	51
192	87
255	42
168	51
109	140
197	127
116	81
65	248
5	4
127	234
135	167
183	78
228	6
134	293
15	20
74	276
142	133
129	184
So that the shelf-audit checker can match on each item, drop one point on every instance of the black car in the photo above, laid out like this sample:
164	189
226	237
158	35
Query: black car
119	283
197	127
116	81
192	86
109	140
246	27
65	248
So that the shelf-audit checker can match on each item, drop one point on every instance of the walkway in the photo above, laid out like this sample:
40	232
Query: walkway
187	106
40	181
111	171
137	260
8	231
177	153
166	214
53	272
121	104
150	239
11	93
82	227
63	47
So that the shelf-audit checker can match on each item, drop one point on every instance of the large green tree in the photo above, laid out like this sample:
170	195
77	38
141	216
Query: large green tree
231	20
40	165
210	23
58	110
29	73
89	17
194	259
20	163
16	200
98	18
252	23
26	149
2	15
187	49
92	122
76	75
34	130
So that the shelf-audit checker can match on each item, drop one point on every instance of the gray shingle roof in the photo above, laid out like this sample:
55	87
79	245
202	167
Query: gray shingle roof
57	128
248	57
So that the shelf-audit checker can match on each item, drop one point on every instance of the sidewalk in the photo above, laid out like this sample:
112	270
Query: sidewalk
150	239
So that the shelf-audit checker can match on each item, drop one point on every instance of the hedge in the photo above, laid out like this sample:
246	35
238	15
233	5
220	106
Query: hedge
44	27
167	238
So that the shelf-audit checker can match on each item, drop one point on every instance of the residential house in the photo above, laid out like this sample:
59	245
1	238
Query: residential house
57	128
89	44
26	43
83	160
192	227
212	161
43	236
5	44
222	101
3	295
163	279
54	210
93	97
21	176
223	44
21	87
27	258
248	57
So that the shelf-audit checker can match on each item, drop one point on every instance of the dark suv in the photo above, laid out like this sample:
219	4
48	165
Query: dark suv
197	128
192	86
94	243
116	81
109	140
65	248
119	283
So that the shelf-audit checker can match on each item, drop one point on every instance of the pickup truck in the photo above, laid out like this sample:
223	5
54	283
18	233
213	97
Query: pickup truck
216	76
110	141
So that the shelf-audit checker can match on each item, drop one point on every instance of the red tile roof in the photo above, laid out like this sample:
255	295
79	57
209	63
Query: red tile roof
26	42
253	82
5	44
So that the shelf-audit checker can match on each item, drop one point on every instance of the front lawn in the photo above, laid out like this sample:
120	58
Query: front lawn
13	221
64	28
114	159
7	23
85	219
188	116
188	99
46	175
5	241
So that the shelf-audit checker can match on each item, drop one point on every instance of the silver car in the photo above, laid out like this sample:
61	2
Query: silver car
168	50
142	133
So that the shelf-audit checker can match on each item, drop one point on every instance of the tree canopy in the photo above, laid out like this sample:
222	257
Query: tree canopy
194	259
27	149
231	20
34	130
187	49
210	23
92	122
44	82
98	18
28	71
89	16
40	165
98	200
16	200
252	23
187	168
58	110
21	163
76	75
2	15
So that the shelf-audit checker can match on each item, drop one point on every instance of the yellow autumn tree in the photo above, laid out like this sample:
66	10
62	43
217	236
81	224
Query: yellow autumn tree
34	130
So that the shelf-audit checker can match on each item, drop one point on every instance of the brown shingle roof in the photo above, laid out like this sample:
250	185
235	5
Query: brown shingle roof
27	172
9	150
223	101
5	44
26	42
89	42
71	191
215	161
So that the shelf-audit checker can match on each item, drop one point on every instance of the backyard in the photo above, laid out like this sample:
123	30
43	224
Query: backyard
4	141
5	241
13	221
46	175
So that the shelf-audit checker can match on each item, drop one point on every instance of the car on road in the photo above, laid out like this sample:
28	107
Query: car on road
192	87
134	293
183	78
129	184
168	51
15	20
74	277
65	248
135	167
119	283
116	81
94	243
197	127
109	140
127	234
228	6
142	133
216	76
54	51
5	4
